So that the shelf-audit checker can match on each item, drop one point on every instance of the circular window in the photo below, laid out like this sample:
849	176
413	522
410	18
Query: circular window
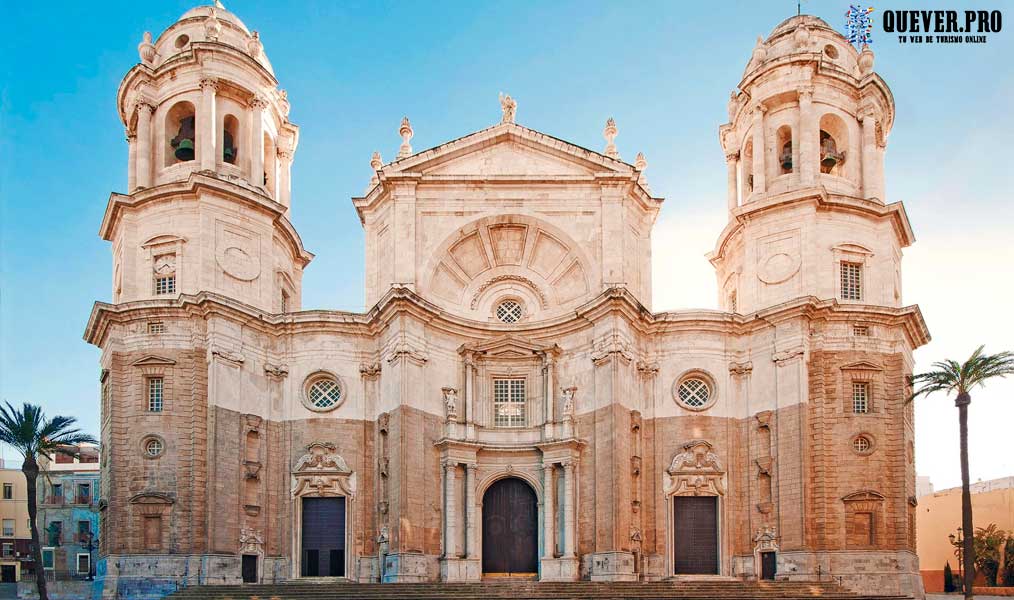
694	390
862	444
153	447
831	51
323	393
509	311
182	41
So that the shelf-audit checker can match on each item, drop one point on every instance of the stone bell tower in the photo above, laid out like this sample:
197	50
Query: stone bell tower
210	153
804	146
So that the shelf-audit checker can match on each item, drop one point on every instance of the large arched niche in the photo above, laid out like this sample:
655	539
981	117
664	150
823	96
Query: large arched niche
505	257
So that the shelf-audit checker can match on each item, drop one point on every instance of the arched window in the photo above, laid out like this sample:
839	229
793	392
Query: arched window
747	162
180	134
270	171
784	150
230	137
833	142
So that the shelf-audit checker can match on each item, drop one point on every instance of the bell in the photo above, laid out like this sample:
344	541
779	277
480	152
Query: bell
229	153
183	143
185	150
786	157
829	160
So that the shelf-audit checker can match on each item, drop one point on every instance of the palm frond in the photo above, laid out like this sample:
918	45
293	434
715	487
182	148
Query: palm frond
951	376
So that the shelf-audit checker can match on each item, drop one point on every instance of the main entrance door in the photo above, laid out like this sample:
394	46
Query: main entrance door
323	537
695	535
510	542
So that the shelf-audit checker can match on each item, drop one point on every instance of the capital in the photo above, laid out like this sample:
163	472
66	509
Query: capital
209	83
259	102
732	156
144	103
759	109
806	93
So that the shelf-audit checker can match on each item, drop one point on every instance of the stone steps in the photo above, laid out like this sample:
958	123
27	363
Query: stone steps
516	590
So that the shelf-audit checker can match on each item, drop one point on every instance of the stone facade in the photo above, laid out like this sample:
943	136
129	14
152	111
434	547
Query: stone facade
509	335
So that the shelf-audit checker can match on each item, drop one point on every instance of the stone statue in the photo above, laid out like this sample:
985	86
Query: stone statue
509	107
451	402
568	401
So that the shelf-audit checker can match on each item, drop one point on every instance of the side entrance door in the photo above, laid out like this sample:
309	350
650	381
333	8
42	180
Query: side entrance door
8	574
323	537
510	538
695	535
768	565
249	568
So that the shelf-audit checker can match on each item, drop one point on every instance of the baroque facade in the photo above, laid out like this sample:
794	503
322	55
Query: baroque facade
509	404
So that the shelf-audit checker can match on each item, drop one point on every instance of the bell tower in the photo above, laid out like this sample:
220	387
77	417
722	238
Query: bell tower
804	148
210	149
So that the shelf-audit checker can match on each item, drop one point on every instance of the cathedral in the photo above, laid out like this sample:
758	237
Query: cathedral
509	404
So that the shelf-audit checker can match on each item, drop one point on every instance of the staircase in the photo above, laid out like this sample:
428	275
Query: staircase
527	590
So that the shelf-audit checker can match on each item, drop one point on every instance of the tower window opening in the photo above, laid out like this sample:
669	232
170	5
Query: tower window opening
509	402
851	281
230	133
860	397
747	155
155	397
784	144
830	157
181	124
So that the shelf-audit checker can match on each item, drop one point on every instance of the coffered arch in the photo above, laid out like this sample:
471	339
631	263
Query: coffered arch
508	257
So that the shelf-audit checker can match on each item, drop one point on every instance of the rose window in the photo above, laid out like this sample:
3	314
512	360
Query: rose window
509	311
325	394
694	393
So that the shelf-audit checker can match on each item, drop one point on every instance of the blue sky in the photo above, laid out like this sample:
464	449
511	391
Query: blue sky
353	69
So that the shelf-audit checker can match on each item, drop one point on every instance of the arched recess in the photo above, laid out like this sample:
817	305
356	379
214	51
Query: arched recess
180	134
510	525
833	145
746	166
783	145
508	256
230	140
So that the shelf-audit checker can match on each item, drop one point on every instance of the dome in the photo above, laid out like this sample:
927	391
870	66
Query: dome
790	24
220	13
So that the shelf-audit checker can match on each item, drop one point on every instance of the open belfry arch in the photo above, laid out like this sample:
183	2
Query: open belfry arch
509	403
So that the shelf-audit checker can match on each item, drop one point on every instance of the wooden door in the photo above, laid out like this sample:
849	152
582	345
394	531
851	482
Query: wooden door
695	535
510	536
249	568
323	537
768	565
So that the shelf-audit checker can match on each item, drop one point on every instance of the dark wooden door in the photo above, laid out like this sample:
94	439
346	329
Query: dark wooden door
8	574
510	537
249	568
695	535
323	537
768	565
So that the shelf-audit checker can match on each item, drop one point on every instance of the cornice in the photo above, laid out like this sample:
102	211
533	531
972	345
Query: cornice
819	197
118	203
401	302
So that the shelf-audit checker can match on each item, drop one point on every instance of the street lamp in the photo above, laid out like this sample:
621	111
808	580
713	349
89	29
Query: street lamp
956	540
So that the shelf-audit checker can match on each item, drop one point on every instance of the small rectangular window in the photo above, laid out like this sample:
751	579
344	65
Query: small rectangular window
84	493
47	559
851	281
8	550
8	527
860	397
165	285
155	394
84	564
509	402
8	491
861	330
156	327
57	493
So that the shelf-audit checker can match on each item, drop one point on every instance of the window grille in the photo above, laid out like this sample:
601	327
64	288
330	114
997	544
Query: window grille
165	285
862	444
155	389
509	402
153	447
8	491
156	327
851	281
861	330
860	397
509	311
694	393
325	393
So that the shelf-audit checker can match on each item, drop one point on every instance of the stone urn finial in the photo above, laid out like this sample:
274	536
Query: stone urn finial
641	164
375	163
759	51
283	103
254	46
212	26
146	49
406	133
610	134
866	61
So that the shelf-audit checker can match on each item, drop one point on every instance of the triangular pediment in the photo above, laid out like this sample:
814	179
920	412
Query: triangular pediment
861	366
509	346
507	150
153	360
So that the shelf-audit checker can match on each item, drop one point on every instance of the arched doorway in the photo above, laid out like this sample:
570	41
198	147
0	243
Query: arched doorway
510	536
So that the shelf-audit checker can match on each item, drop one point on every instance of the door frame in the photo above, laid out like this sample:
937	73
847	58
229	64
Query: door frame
322	473
534	484
695	470
671	534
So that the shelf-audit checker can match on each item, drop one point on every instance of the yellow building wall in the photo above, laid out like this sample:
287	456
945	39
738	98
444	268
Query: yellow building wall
16	508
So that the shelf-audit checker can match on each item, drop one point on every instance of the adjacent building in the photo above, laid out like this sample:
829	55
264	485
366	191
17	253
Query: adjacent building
509	403
15	536
68	515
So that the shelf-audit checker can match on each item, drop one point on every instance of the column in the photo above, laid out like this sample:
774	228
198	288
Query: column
284	164
142	177
732	164
131	160
470	525
568	509
808	139
549	391
403	223
469	389
549	511
450	514
207	125
759	149
871	187
256	129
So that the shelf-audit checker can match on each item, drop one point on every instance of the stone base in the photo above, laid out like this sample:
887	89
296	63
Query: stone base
154	576
460	569
559	569
410	567
881	572
611	566
368	570
653	566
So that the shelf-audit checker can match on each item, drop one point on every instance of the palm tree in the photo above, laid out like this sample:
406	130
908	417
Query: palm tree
30	433
951	377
